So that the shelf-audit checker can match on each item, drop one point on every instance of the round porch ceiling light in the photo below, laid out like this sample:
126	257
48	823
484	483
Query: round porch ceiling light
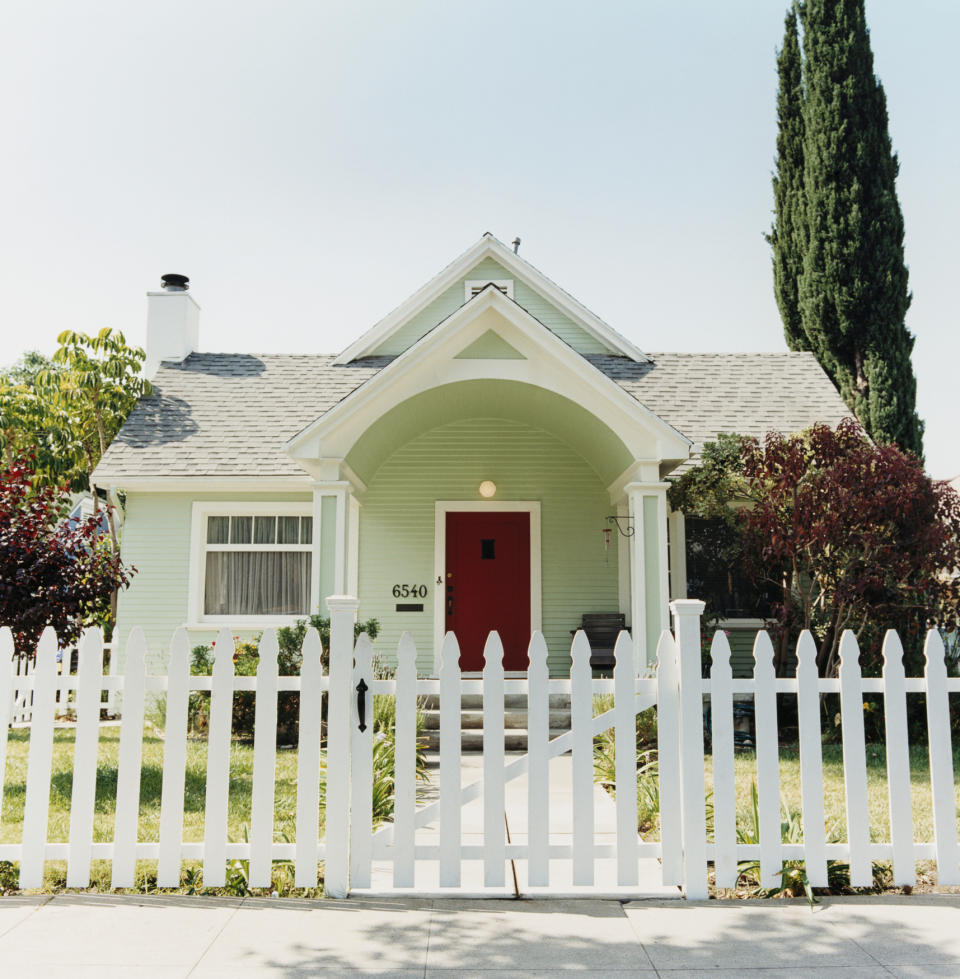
488	488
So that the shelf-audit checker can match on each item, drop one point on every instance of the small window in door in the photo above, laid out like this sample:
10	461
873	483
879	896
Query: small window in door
487	549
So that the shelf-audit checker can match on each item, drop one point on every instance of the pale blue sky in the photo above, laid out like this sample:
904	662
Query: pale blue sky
309	165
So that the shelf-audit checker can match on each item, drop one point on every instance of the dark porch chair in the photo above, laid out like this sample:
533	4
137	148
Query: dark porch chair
602	629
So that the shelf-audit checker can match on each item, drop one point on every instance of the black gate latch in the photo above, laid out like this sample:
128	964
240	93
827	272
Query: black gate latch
362	703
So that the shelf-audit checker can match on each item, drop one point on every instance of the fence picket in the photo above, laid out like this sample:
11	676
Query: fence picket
264	762
63	671
811	761
941	762
89	680
22	705
538	774
308	762
174	761
898	761
336	870
361	766
625	754
450	762
405	761
8	667
721	740
218	764
693	821
854	761
768	761
39	762
126	818
494	830
668	759
581	723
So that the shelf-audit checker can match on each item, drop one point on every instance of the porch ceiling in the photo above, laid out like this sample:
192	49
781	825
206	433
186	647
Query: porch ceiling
566	420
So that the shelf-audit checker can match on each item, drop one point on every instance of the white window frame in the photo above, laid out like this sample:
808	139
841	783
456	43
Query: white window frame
196	619
504	285
441	509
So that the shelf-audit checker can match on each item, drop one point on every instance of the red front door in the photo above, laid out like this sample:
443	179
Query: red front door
488	585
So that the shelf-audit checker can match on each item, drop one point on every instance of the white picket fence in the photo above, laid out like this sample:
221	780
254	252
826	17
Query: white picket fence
351	848
858	850
22	711
45	686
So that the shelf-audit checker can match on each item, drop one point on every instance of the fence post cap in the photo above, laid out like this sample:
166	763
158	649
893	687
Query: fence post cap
343	603
687	606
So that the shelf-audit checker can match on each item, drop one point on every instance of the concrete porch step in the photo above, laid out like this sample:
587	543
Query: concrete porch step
473	719
515	739
511	701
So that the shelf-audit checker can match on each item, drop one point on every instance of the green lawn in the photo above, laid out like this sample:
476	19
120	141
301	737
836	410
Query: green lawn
241	779
745	769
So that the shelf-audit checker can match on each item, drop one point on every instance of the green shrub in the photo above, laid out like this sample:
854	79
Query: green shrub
246	658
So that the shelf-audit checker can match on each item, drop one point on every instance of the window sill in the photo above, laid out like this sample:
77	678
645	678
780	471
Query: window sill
244	623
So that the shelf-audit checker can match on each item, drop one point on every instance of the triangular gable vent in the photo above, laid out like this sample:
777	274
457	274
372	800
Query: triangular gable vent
473	287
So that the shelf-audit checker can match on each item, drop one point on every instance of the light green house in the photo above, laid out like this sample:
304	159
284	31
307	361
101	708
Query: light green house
491	455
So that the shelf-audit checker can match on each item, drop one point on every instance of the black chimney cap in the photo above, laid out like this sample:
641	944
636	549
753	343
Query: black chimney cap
175	283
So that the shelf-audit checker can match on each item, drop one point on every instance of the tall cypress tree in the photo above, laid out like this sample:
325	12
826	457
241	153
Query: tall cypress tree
787	234
845	241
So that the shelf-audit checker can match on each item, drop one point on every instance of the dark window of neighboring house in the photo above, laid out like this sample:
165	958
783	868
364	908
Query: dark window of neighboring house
715	573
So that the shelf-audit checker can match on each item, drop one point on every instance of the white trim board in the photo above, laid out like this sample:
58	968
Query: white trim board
205	484
441	509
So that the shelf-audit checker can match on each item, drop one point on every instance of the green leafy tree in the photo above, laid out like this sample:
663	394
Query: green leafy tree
838	236
93	384
787	236
26	427
64	412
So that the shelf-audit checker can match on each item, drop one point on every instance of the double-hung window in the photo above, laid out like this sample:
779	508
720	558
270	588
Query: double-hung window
251	561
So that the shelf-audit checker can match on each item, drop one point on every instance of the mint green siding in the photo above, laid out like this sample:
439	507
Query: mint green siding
398	516
453	298
156	540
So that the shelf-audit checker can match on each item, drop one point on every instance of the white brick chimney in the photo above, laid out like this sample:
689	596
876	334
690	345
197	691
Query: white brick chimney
173	323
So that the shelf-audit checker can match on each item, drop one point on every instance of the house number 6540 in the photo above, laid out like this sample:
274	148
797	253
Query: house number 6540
409	591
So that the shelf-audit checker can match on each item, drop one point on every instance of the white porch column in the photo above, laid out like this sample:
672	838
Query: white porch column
336	540
678	555
649	580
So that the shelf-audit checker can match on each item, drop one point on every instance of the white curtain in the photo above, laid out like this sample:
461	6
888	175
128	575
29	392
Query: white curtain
257	583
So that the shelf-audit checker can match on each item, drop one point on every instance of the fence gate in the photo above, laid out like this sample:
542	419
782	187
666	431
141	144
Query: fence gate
435	848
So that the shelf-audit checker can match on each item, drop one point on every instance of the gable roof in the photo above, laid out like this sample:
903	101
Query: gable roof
231	415
490	247
549	363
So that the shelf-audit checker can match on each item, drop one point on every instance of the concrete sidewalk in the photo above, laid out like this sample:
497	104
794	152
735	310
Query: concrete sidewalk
105	936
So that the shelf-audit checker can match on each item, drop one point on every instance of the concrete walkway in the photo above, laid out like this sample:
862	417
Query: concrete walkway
427	877
103	936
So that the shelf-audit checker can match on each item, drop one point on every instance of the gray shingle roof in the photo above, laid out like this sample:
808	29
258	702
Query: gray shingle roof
231	414
702	395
